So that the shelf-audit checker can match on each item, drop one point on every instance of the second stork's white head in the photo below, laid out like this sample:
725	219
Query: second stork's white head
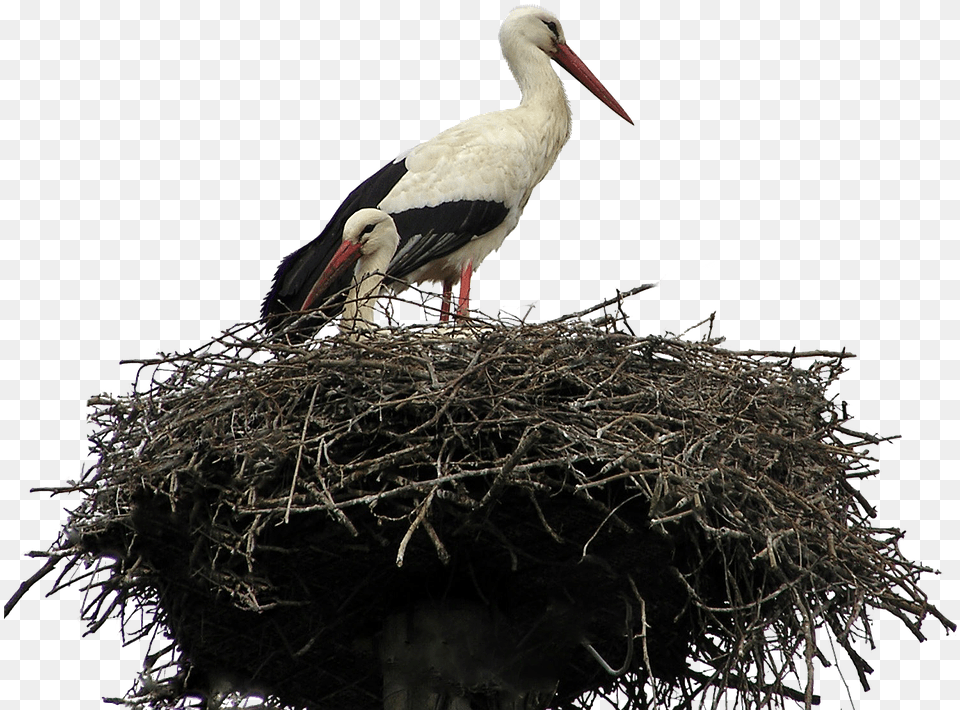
529	37
370	240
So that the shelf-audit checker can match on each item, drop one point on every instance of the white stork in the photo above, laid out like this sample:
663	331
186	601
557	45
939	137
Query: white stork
456	197
370	240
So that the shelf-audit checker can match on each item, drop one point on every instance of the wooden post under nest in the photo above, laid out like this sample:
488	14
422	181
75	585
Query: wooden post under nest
462	656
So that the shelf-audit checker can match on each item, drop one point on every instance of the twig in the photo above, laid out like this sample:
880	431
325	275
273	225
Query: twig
600	306
25	586
424	507
296	469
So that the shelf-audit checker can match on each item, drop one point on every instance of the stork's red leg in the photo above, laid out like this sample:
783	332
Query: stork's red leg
445	302
463	305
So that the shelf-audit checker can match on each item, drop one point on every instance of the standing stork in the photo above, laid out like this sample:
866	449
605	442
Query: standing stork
456	197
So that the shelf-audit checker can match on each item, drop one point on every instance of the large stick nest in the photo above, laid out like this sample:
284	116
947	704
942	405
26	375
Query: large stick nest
684	511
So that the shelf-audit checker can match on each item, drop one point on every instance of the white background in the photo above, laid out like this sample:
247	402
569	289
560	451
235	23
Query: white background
794	167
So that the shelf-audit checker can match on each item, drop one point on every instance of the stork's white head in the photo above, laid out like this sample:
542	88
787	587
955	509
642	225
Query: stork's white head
532	25
528	36
373	231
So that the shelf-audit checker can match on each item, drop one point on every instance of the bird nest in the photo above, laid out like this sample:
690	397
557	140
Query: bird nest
651	519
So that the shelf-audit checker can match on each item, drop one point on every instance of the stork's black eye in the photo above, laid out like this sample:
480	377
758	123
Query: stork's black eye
552	26
367	229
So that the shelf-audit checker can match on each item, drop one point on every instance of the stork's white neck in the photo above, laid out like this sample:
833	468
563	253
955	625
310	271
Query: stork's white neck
543	106
540	87
535	74
363	294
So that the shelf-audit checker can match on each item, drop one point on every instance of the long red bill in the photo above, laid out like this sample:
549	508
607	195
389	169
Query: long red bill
568	59
345	257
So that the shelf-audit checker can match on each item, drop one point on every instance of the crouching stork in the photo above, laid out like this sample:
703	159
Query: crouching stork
456	197
370	240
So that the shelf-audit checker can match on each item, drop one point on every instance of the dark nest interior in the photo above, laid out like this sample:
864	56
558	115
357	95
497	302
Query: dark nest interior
651	520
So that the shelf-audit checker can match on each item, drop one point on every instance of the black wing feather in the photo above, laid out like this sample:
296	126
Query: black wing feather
299	271
428	233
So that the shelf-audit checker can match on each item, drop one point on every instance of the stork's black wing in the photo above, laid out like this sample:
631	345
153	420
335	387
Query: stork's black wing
428	233
299	271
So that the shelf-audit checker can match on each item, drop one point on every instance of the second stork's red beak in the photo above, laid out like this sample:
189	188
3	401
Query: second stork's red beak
345	258
568	59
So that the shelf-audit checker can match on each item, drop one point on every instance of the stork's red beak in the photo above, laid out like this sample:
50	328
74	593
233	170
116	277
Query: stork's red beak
568	59
345	258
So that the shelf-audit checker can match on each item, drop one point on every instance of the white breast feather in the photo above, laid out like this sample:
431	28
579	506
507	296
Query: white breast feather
499	156
488	157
